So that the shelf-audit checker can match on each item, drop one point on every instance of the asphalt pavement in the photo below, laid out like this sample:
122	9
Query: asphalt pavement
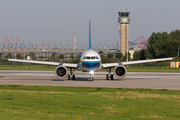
149	80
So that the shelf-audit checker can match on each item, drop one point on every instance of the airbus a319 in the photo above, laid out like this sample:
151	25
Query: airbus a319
91	62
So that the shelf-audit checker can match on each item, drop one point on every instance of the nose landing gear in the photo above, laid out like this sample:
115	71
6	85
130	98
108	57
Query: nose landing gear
90	76
90	79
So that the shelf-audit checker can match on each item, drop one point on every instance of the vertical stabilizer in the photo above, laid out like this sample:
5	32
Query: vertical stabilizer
74	40
89	35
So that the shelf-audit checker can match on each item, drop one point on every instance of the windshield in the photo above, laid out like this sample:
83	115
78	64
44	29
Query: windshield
92	57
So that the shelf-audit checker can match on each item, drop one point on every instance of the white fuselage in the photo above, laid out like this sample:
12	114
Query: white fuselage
90	61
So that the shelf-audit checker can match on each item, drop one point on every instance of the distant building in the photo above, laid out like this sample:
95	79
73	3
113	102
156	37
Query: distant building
46	54
174	64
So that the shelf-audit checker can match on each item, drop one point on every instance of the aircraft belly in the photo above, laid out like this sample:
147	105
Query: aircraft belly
90	66
88	70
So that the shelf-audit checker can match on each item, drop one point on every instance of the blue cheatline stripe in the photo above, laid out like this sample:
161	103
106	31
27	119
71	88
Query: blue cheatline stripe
90	61
89	35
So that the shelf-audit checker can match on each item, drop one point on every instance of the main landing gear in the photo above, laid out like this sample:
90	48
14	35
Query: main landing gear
71	75
109	75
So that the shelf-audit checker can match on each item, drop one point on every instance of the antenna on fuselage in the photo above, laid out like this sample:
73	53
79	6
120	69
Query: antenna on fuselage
89	35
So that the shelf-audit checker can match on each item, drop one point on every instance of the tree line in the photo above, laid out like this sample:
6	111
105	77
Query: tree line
160	45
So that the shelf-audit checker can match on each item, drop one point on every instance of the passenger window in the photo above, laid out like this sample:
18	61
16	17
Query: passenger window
88	57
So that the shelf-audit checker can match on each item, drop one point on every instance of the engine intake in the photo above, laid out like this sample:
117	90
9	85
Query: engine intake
61	71
120	71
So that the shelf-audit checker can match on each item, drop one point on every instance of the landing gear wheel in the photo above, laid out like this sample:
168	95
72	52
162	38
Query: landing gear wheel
90	79
112	77
73	77
69	77
107	77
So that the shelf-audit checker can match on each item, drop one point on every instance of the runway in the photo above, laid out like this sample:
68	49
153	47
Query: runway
147	80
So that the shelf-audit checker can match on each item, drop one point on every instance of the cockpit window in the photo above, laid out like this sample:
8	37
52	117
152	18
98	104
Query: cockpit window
88	57
92	57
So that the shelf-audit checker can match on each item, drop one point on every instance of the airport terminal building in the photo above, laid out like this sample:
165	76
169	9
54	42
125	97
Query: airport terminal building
46	53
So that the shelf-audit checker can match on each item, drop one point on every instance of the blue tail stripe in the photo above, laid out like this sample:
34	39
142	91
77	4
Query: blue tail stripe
89	35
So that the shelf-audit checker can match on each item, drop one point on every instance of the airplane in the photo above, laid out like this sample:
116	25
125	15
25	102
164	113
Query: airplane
90	61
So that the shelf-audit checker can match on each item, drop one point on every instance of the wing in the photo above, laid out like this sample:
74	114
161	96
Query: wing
108	65
68	65
145	61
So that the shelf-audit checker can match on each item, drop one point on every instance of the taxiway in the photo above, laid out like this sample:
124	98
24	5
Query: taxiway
148	80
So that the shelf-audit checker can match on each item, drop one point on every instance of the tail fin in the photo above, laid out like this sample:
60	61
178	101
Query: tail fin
89	35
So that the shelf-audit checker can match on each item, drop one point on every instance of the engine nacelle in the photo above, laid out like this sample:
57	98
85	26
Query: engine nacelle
61	71
120	71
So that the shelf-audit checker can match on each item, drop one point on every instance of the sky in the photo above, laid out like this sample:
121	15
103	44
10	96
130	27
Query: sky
57	20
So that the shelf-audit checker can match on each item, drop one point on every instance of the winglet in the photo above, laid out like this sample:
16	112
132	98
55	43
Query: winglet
178	52
89	35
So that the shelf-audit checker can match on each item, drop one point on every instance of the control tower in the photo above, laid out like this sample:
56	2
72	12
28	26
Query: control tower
124	21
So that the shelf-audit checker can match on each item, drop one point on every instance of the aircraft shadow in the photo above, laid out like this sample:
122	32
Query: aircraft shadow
65	79
58	79
86	79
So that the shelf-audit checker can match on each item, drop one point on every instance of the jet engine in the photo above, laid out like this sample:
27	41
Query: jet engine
120	71
61	71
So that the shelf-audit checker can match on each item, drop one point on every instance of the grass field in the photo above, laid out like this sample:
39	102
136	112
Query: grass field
52	68
27	67
82	103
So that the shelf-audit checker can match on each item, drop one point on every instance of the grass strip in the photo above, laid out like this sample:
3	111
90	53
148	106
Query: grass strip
152	69
83	103
27	67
